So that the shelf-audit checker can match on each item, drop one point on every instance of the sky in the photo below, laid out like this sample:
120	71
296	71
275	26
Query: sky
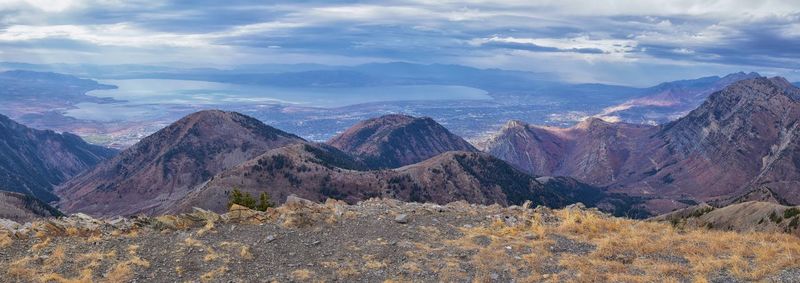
622	42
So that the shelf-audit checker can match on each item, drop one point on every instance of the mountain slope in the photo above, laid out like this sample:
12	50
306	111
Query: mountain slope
21	208
743	137
742	217
593	150
167	165
392	141
33	161
306	170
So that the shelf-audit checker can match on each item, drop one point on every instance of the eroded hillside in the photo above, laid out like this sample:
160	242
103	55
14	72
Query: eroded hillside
380	240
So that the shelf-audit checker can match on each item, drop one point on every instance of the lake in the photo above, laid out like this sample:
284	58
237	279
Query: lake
147	98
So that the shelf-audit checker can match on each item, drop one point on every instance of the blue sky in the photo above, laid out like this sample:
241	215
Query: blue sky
624	42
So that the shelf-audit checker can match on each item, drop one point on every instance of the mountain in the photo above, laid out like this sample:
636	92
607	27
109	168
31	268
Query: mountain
592	150
33	161
318	172
167	165
743	137
21	208
396	140
741	217
670	100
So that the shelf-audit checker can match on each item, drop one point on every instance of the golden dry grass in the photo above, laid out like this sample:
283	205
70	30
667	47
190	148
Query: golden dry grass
302	274
5	239
629	251
209	276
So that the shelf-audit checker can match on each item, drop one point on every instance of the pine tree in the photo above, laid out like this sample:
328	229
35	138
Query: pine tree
264	202
243	199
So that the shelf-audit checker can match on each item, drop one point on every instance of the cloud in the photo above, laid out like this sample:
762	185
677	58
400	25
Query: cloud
610	36
582	44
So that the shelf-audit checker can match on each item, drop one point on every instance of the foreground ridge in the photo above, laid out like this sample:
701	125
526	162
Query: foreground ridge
382	239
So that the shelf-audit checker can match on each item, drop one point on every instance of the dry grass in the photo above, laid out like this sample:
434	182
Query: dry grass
302	274
209	276
5	239
628	250
41	245
123	271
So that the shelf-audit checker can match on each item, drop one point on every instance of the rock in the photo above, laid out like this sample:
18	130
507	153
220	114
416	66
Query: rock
293	200
270	238
9	224
205	215
527	205
238	214
401	218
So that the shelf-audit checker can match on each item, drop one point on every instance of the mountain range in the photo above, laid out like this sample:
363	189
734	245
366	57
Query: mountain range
199	160
739	145
740	139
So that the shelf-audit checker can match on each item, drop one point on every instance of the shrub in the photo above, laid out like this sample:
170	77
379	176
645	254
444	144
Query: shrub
264	202
246	200
791	212
243	199
775	218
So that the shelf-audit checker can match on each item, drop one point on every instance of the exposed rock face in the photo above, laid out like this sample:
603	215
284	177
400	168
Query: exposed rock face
21	208
392	141
33	161
162	168
741	138
318	172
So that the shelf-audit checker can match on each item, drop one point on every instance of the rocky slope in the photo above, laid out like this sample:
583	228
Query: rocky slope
387	240
33	161
318	172
165	166
22	208
393	141
741	138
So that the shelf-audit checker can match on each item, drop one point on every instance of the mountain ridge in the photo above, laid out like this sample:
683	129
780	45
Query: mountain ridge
34	161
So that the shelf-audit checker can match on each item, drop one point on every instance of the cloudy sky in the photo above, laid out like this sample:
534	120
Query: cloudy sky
625	42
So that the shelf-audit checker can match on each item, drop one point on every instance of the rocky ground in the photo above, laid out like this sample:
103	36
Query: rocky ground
385	241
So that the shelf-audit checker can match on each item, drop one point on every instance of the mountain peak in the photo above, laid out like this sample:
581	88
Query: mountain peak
760	86
511	124
396	140
171	162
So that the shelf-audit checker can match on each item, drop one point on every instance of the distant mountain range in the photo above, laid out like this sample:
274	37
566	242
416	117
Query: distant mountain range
742	138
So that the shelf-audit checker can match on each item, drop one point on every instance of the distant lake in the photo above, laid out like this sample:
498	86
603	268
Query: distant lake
145	97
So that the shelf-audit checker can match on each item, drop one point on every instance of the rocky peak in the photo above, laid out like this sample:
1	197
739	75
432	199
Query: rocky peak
514	124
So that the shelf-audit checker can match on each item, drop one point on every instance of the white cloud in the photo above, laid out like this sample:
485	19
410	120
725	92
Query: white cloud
608	46
121	34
